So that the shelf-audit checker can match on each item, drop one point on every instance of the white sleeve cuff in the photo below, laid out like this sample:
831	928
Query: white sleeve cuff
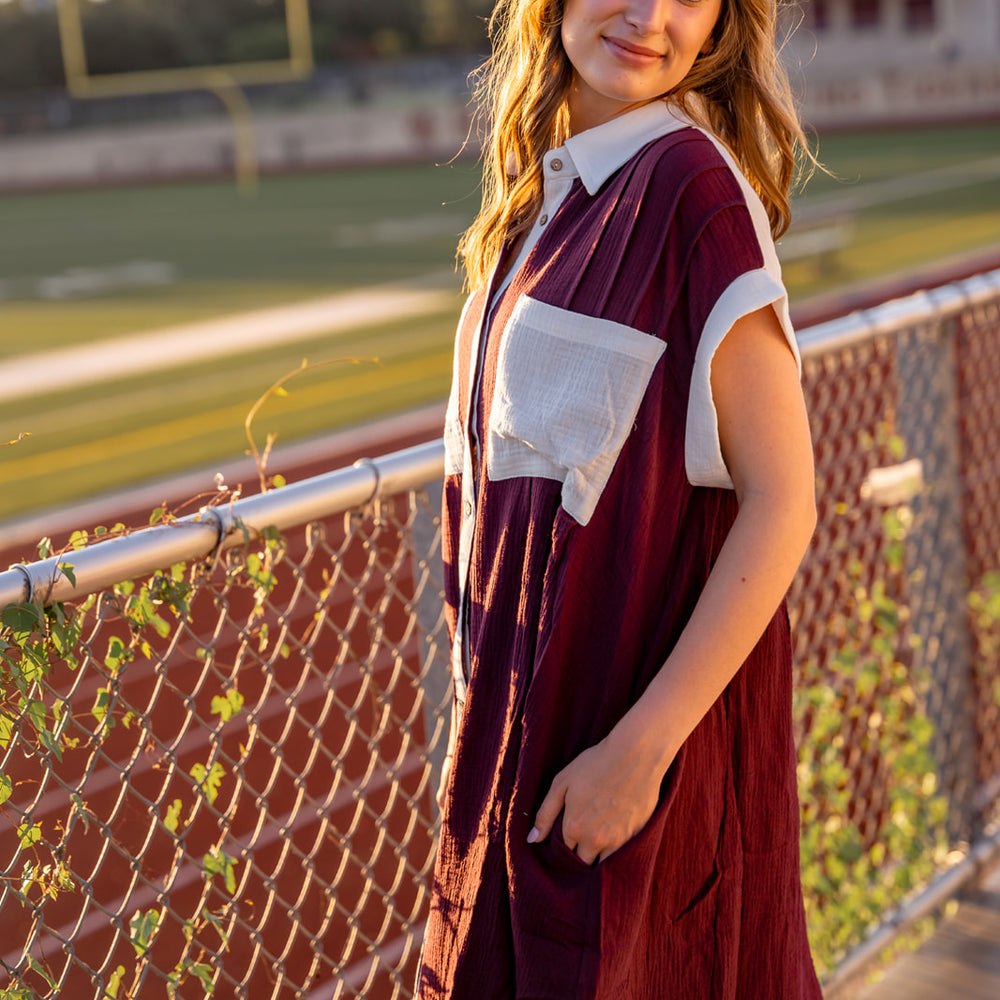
702	449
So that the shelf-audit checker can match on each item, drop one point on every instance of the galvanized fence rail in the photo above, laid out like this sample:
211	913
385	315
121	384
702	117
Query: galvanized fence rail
219	779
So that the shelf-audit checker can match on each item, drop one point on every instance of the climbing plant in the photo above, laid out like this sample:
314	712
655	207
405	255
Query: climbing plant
867	846
39	641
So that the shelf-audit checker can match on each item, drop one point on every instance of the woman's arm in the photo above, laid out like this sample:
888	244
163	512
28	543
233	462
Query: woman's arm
608	793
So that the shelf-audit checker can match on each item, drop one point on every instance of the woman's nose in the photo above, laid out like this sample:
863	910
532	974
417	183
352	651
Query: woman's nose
648	17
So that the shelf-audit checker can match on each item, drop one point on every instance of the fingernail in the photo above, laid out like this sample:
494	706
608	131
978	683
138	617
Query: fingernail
534	835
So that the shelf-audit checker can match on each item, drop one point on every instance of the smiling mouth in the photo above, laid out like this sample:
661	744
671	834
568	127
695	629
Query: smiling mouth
631	50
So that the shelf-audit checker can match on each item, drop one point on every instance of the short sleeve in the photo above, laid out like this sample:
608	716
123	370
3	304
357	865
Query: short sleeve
736	246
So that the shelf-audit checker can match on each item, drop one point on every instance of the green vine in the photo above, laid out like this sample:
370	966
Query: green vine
862	859
984	606
37	639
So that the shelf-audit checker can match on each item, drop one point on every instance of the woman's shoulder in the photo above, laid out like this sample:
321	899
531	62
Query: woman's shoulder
686	172
691	146
689	153
696	173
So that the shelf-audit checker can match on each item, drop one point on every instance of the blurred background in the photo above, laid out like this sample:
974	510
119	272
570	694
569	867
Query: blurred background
216	192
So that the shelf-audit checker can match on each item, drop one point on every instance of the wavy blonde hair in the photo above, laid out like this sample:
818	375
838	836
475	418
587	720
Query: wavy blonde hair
738	91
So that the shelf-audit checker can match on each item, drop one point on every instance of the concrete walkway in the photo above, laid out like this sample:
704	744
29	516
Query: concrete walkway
177	346
960	962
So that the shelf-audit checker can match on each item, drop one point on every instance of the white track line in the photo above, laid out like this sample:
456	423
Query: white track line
891	189
175	347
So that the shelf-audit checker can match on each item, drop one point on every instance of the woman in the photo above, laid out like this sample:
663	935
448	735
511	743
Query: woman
629	491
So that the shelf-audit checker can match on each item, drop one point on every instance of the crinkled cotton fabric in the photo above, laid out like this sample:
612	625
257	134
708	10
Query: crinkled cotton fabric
584	505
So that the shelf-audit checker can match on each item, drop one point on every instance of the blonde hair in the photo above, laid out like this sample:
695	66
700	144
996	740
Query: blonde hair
738	91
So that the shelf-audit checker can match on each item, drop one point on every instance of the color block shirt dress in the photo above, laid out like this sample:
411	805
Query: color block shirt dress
585	501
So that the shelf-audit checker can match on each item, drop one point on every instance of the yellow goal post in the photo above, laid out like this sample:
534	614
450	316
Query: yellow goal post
225	80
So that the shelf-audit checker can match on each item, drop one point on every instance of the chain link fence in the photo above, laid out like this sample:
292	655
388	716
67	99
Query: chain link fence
219	779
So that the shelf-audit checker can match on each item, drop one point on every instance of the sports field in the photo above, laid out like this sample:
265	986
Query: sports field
88	267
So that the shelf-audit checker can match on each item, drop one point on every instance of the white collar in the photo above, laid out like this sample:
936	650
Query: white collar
601	150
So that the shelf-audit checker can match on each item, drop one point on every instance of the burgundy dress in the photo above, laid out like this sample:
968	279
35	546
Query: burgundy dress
588	535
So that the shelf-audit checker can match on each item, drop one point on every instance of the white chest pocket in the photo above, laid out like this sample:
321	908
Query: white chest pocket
567	392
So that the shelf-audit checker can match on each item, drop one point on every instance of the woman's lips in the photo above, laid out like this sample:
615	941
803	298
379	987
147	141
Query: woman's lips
634	55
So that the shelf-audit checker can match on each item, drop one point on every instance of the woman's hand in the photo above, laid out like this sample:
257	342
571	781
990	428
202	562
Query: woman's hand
606	796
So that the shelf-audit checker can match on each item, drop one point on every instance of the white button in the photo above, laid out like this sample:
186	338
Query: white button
556	164
468	508
543	220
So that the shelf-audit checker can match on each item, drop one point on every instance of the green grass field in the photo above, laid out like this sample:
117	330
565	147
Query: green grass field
309	236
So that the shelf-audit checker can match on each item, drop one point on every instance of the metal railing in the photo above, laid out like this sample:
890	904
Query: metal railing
221	781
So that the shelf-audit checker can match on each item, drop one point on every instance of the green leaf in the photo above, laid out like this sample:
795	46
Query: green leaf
143	926
228	705
157	515
920	729
278	481
6	788
208	780
22	619
173	817
68	572
100	707
140	609
29	834
34	663
6	730
204	973
111	990
161	625
217	862
118	654
36	712
35	967
216	922
50	742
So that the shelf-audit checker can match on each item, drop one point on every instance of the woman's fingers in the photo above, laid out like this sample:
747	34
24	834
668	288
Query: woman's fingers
570	784
552	805
604	799
548	811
